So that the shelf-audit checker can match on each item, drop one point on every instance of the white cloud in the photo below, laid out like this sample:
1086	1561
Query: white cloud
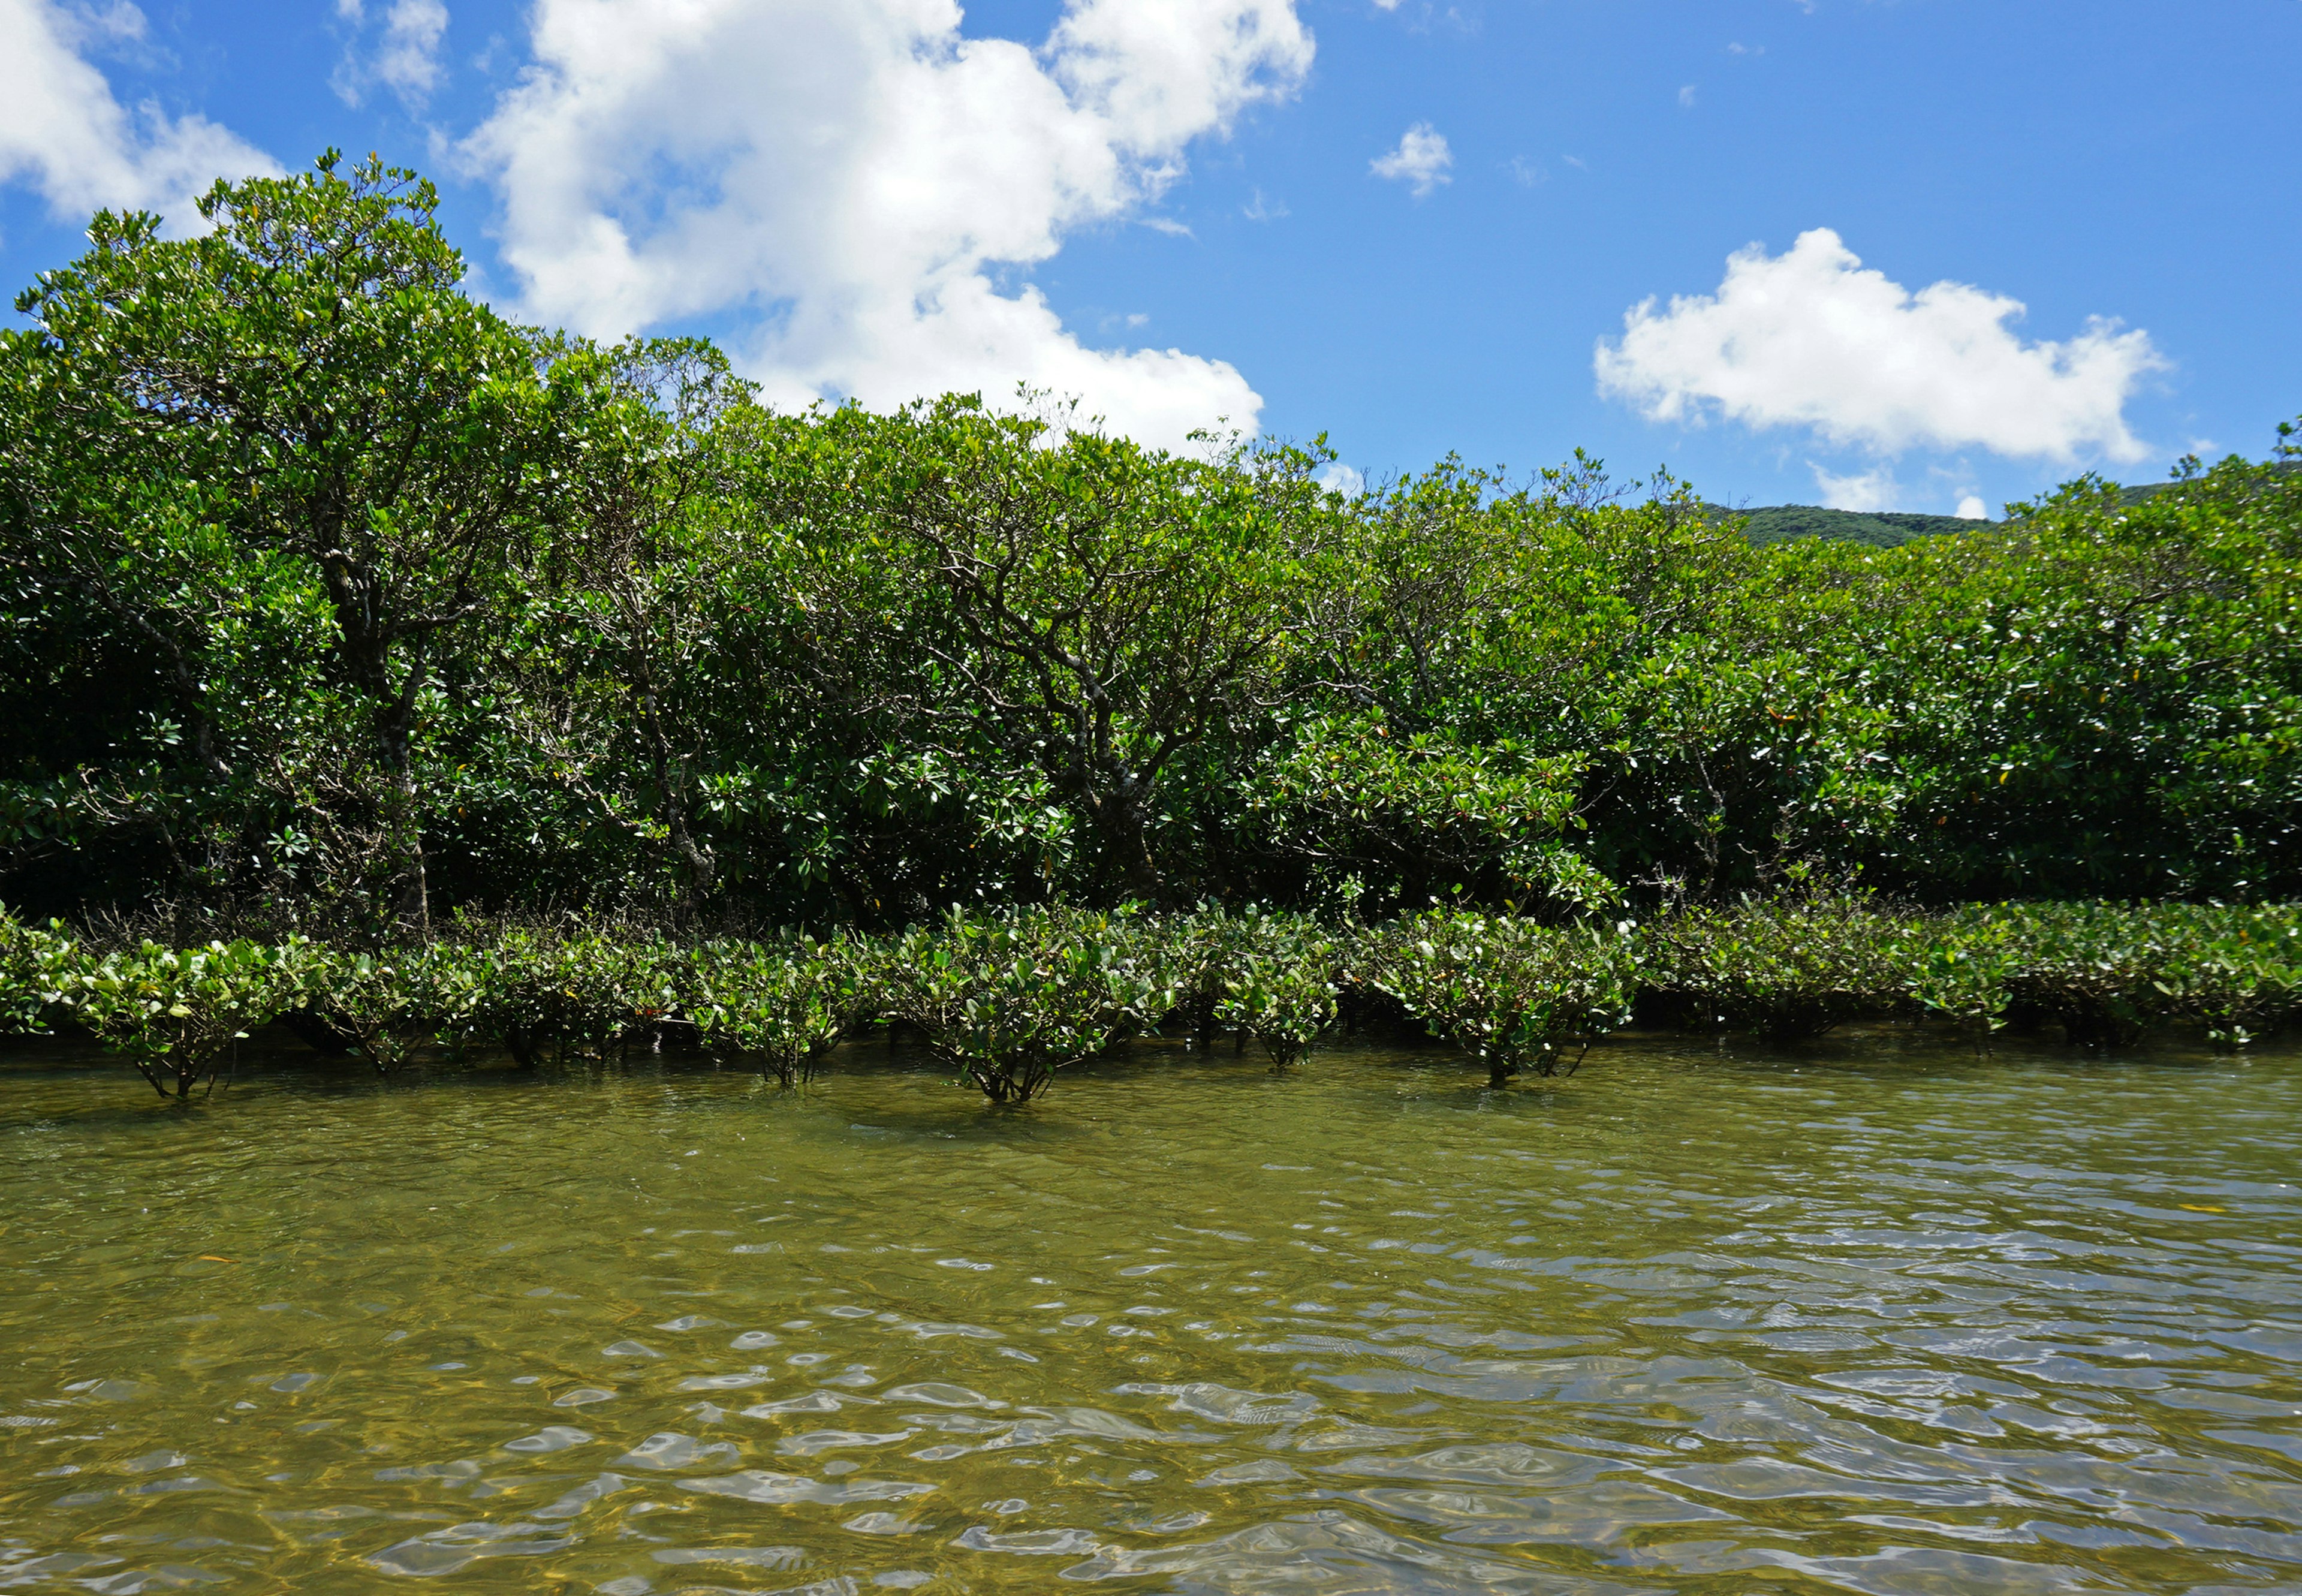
63	130
846	177
119	21
1811	339
1862	491
1972	508
1422	159
1336	477
1687	97
405	60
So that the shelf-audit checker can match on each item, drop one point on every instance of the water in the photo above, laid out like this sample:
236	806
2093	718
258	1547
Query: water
1874	1317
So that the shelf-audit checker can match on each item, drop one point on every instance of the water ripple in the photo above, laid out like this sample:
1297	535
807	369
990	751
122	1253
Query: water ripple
1890	1320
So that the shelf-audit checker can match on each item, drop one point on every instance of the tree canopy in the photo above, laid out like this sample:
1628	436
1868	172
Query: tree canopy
332	600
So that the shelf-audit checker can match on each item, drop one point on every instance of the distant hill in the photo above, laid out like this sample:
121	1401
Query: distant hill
1881	529
1885	529
2135	495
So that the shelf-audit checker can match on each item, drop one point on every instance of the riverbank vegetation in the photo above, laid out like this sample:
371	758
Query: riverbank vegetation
423	680
1008	999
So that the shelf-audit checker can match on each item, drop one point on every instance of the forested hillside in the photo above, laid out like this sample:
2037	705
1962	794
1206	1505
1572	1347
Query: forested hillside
332	600
1879	529
1889	529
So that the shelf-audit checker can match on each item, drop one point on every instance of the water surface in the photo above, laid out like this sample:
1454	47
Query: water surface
1875	1316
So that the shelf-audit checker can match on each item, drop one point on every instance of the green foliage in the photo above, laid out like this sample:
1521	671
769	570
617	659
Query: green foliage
287	463
1785	968
1008	999
38	970
1512	993
784	1005
176	1014
385	1006
2236	972
1272	976
546	993
329	599
1960	968
1780	523
2107	972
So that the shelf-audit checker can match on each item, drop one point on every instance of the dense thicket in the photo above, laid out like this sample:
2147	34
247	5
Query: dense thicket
331	602
1007	998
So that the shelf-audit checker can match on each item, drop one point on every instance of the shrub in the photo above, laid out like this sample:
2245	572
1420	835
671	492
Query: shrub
1199	945
786	1004
383	1006
2092	966
175	1014
2236	972
1786	969
1513	994
1274	976
2109	971
37	974
1009	998
545	993
1960	972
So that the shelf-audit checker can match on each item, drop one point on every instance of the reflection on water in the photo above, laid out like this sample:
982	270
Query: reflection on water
1877	1317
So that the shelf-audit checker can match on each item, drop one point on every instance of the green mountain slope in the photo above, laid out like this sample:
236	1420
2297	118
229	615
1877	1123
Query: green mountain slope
1881	529
2136	494
1885	529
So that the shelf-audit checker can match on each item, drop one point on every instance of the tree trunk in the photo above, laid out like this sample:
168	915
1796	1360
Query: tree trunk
412	893
1127	842
695	862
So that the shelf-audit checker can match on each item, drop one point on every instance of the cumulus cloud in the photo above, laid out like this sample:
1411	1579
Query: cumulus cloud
846	179
1812	339
1972	508
405	58
1422	159
63	130
1874	490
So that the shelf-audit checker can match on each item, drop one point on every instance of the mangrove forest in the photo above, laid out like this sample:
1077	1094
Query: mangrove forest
421	681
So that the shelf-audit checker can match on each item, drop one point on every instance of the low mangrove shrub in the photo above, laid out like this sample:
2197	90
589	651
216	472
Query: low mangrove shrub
1008	999
1785	968
781	1005
37	967
2092	968
2106	972
1960	972
177	1013
1515	994
547	995
1274	978
2238	972
383	1007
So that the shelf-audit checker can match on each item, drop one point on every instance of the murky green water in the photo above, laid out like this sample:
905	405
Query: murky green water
1878	1318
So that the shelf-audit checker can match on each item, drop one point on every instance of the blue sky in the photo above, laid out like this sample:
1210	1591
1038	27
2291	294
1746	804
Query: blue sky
1416	227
